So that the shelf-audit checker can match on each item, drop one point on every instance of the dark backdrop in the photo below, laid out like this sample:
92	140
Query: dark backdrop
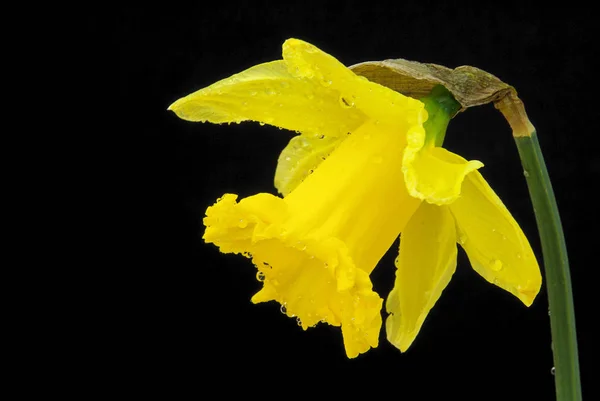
185	324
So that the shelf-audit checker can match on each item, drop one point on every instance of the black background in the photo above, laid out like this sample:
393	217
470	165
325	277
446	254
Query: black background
185	324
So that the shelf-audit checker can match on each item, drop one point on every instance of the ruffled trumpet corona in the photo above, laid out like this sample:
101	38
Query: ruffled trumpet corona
366	167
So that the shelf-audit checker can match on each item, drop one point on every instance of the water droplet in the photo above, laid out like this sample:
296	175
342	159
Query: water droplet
548	311
310	95
519	256
553	371
283	308
260	276
327	82
462	239
526	173
496	265
493	230
243	223
287	159
262	123
299	321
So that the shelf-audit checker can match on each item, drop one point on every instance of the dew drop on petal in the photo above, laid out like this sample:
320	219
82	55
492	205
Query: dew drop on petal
299	321
496	265
260	276
553	371
283	308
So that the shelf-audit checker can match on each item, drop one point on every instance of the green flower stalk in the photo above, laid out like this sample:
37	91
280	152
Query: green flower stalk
556	262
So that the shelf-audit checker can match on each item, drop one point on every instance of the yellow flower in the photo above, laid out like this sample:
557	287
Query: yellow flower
362	171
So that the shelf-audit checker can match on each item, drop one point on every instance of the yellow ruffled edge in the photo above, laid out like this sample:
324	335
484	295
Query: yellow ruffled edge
255	227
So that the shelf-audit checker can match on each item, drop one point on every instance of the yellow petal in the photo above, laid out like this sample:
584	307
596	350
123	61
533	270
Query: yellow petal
382	106
377	102
425	265
268	93
300	158
434	174
494	242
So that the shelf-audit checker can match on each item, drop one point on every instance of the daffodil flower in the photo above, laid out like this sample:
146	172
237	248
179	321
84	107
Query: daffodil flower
366	167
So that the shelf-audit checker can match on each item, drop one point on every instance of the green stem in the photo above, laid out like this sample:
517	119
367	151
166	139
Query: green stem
441	106
556	266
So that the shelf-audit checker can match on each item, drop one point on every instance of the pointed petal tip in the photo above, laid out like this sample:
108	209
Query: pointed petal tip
295	42
401	340
175	105
528	294
397	336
